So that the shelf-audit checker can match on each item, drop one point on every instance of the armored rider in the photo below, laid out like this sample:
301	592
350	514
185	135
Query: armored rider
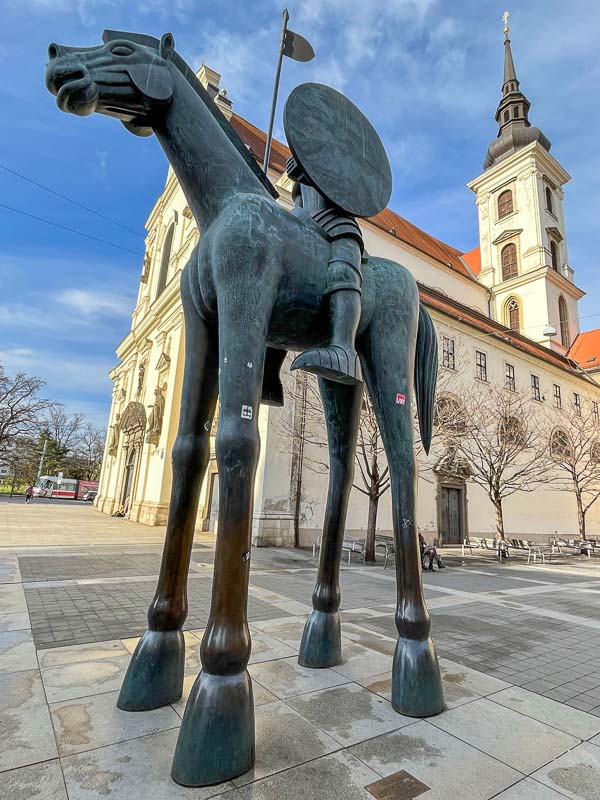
346	175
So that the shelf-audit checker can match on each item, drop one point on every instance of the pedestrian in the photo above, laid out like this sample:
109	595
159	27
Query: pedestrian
429	551
28	493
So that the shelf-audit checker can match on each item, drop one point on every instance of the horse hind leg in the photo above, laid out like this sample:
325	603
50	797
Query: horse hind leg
388	364
322	640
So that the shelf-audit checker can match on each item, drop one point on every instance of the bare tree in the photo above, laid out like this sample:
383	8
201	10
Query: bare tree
503	443
374	475
21	408
85	460
64	430
575	453
371	477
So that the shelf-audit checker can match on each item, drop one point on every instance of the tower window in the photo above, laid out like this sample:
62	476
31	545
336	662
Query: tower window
513	315
505	203
554	255
516	111
164	262
508	257
563	316
506	116
549	206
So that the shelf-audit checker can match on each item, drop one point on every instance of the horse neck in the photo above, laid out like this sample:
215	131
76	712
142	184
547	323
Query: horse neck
207	165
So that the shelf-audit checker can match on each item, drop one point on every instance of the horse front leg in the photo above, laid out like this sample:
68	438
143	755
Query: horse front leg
156	670
322	639
216	740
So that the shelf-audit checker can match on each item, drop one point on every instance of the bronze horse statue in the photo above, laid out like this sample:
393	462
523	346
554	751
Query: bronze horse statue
252	290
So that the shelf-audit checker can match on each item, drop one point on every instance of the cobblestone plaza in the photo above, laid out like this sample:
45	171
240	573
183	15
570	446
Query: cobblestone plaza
519	648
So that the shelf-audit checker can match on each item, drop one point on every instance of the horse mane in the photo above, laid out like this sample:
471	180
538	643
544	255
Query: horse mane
190	76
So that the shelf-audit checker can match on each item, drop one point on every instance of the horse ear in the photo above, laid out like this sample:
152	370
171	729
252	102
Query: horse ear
152	80
167	45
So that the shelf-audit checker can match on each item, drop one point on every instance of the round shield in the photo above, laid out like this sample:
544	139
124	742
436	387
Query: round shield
338	149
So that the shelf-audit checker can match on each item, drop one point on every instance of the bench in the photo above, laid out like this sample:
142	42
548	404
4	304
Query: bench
387	544
348	546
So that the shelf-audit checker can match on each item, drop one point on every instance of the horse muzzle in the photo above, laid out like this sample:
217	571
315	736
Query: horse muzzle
71	82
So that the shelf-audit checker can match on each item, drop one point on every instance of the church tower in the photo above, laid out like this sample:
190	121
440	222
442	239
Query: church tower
523	245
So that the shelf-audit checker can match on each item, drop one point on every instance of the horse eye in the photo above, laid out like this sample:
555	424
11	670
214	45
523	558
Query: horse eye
122	50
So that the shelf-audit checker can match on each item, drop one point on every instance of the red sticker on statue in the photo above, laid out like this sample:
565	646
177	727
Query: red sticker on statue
400	399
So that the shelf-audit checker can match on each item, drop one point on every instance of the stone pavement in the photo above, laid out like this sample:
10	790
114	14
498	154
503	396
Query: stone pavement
519	648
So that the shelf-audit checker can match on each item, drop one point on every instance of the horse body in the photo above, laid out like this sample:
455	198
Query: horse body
255	282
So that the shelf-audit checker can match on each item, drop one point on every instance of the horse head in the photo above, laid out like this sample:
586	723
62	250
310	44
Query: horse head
127	77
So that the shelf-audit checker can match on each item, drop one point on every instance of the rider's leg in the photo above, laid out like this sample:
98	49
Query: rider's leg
339	361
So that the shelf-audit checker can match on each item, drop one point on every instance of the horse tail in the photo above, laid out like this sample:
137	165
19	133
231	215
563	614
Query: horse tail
426	364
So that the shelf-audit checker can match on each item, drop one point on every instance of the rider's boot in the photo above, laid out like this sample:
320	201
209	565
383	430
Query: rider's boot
338	361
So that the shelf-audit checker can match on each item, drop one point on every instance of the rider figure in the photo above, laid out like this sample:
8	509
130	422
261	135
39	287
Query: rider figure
339	360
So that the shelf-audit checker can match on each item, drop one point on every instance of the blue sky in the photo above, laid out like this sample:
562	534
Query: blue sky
426	72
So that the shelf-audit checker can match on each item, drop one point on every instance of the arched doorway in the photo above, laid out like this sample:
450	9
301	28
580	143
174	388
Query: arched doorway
133	427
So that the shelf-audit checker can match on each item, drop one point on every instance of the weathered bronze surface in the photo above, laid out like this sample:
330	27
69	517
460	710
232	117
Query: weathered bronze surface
399	786
253	289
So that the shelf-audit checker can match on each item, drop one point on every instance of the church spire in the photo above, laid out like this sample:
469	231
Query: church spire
512	115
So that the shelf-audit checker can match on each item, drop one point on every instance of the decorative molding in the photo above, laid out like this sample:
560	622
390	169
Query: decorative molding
510	234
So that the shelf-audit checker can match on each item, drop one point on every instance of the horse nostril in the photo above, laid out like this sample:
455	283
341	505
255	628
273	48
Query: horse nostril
52	51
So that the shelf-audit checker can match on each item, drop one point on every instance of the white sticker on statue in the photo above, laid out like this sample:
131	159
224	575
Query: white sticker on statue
247	412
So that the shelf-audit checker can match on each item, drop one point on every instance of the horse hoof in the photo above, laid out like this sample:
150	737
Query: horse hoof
155	674
321	645
416	679
216	739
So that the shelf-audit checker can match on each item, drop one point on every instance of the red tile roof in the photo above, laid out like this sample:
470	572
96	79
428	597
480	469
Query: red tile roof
473	259
585	350
441	302
387	220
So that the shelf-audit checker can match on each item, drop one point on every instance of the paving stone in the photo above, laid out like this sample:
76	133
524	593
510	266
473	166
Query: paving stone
470	679
17	651
74	654
84	678
286	678
284	739
349	713
135	770
20	690
519	741
37	782
575	774
15	622
529	789
360	662
452	768
12	599
96	721
543	709
338	776
26	736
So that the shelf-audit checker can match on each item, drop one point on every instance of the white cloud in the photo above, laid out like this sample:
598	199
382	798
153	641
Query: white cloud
96	303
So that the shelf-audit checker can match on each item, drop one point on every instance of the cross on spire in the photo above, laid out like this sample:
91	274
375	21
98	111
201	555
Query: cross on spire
505	17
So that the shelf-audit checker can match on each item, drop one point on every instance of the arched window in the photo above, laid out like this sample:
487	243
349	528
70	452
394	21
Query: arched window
449	415
513	315
164	262
549	206
505	203
508	257
554	255
560	445
563	316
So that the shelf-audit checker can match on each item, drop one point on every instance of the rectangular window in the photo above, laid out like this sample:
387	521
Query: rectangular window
557	396
577	403
448	359
535	387
595	413
509	378
480	365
